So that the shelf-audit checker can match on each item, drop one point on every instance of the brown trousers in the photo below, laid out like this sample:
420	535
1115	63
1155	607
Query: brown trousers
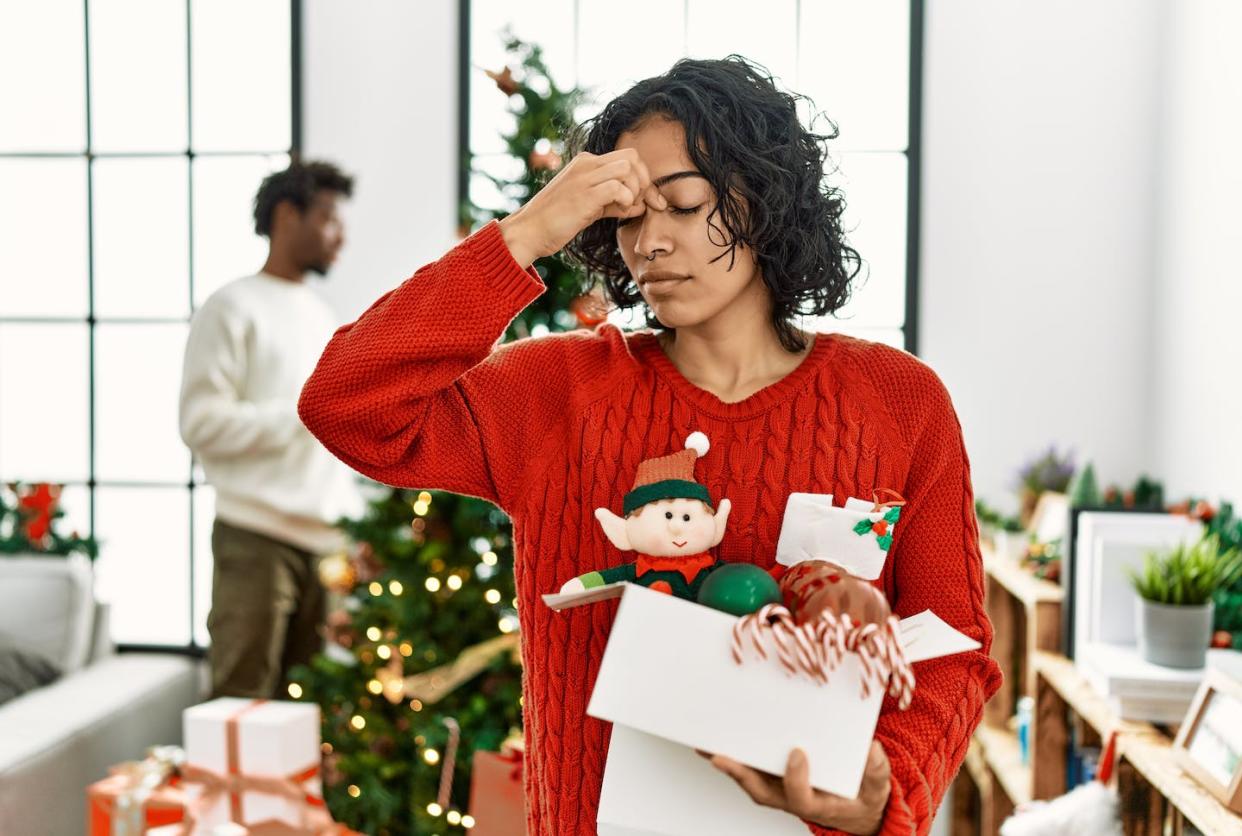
266	609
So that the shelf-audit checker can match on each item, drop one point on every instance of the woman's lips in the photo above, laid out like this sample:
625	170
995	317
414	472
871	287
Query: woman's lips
659	280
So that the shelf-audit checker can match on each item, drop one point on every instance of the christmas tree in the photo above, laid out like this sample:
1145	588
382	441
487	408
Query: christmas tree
543	115
423	668
422	665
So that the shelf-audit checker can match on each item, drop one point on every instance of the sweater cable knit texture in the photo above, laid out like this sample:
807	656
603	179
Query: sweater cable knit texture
417	393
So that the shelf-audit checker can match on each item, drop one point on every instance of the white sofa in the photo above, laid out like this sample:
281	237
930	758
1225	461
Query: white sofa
106	708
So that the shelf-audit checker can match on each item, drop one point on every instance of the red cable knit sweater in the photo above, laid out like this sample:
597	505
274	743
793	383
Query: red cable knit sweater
416	393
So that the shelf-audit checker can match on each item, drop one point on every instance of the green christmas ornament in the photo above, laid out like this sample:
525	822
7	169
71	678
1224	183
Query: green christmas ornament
739	589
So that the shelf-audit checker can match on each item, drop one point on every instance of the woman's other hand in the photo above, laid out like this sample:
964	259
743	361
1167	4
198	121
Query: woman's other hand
794	793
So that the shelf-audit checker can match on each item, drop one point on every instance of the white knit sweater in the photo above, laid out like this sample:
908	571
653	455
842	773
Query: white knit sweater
251	347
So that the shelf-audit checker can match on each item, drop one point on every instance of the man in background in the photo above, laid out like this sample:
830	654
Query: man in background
252	345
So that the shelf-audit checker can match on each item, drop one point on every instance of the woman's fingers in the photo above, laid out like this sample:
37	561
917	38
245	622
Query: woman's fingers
654	199
631	173
761	788
644	176
615	199
590	187
797	782
619	168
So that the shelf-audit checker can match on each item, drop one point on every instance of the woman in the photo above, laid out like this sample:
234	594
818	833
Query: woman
699	194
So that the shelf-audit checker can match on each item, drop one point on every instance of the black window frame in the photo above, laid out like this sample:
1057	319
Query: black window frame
92	320
913	152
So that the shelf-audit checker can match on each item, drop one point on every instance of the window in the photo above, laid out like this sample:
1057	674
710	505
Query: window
135	134
858	61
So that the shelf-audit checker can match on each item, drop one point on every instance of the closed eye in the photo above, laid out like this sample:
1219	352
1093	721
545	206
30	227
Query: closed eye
676	210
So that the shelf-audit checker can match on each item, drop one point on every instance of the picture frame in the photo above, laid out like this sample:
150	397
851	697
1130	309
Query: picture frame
1209	742
1138	528
1050	518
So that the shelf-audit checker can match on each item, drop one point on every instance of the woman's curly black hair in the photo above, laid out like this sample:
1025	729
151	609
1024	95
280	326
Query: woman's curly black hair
745	138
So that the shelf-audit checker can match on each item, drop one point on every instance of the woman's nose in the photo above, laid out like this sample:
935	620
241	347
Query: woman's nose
653	239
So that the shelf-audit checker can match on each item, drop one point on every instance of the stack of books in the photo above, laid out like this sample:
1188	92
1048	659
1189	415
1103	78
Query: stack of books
1138	690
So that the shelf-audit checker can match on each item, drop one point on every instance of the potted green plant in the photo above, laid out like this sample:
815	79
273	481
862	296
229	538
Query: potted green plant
1174	616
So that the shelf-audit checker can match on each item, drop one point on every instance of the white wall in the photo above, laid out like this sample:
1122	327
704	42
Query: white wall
380	99
1197	400
1059	301
1038	200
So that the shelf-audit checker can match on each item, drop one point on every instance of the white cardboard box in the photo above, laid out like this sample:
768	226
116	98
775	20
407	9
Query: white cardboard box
634	802
275	739
668	674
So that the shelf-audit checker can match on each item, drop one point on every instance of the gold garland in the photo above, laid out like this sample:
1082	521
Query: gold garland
432	686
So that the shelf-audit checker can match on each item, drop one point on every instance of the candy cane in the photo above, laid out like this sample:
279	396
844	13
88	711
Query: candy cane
754	626
817	647
450	762
825	631
781	634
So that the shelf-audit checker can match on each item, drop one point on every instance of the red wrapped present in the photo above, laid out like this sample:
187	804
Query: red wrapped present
137	796
497	800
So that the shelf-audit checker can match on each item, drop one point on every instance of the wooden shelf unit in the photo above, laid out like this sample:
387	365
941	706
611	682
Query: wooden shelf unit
1157	797
1026	617
1063	696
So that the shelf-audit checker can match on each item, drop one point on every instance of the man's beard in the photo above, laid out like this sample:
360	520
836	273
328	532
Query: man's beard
318	268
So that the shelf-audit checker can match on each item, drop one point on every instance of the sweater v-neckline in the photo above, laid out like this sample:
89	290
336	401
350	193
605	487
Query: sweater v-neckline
648	346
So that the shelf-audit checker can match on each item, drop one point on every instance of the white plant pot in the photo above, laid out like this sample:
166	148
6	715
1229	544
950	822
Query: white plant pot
1012	544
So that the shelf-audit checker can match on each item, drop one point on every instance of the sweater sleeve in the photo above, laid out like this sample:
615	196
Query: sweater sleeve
411	393
216	421
935	564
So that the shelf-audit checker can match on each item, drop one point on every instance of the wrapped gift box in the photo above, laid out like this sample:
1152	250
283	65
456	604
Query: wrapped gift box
162	806
252	743
856	536
497	797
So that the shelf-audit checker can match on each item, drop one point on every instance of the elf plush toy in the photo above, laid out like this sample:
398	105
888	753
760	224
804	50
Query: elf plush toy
669	520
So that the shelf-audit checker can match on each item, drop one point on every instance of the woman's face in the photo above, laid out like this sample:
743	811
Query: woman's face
680	263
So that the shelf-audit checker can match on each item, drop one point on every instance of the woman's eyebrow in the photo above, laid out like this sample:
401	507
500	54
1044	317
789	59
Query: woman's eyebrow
677	175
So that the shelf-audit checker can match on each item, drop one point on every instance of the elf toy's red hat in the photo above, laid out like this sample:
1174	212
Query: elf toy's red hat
670	477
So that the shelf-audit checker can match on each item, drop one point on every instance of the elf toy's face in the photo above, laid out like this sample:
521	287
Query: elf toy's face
667	527
672	527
